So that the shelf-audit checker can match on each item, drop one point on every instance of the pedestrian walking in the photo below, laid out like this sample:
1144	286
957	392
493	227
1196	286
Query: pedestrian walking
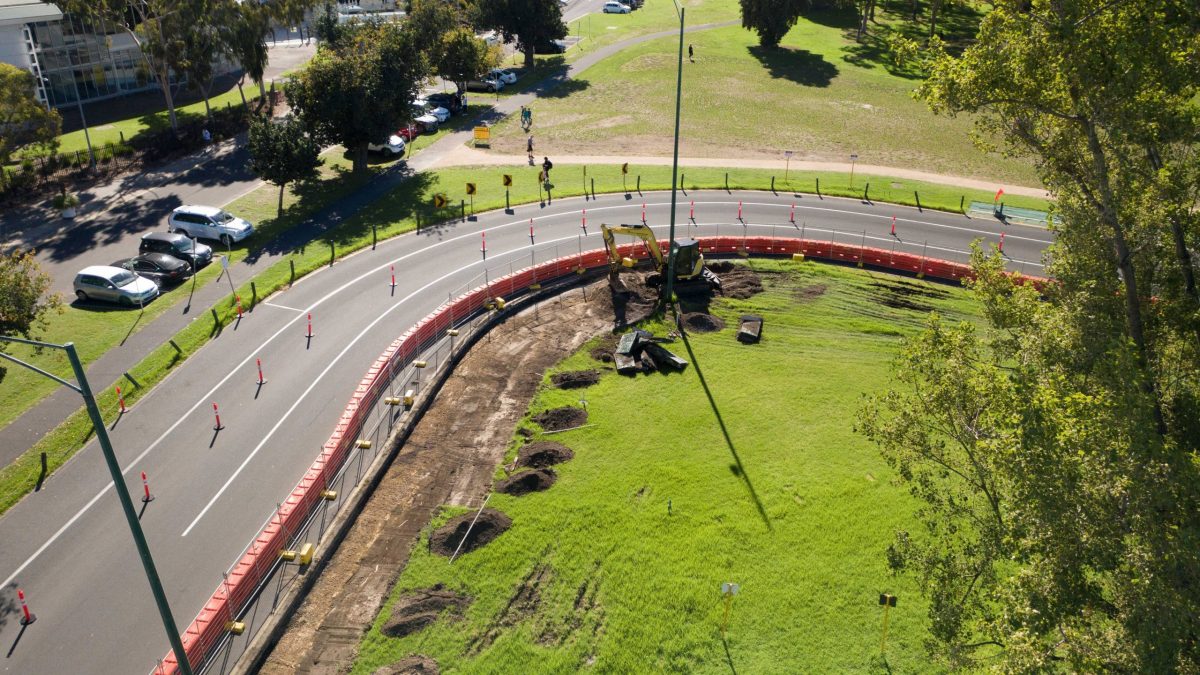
546	166
691	54
206	136
529	149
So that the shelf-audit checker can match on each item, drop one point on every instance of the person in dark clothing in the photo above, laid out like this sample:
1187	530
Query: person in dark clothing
690	54
546	166
529	148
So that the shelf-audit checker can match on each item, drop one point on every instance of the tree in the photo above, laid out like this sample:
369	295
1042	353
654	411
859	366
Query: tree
530	22
282	152
771	19
159	27
24	302
463	57
1053	454
248	44
23	119
360	92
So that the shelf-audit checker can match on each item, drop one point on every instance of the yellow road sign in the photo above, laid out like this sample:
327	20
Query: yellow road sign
507	180
470	188
483	136
625	167
439	201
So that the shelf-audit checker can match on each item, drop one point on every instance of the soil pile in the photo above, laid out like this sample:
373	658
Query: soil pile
603	352
810	292
543	454
416	610
557	419
637	299
699	322
446	539
412	665
575	379
527	481
904	295
740	283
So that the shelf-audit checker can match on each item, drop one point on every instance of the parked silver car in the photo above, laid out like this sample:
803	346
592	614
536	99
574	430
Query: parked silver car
114	284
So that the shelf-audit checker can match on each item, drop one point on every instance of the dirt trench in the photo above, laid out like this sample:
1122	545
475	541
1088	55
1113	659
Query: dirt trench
449	459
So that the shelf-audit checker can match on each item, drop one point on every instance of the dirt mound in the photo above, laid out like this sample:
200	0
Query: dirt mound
699	322
415	610
542	454
904	294
557	419
721	266
491	524
740	282
636	299
527	481
575	379
603	351
810	292
411	665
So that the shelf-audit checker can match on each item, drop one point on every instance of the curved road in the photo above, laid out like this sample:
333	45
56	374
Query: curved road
68	547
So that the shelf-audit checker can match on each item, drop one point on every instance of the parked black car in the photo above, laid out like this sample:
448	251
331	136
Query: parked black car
176	246
161	268
450	102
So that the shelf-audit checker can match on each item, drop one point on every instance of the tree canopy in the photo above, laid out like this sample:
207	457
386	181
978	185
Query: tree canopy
1054	451
361	91
24	301
530	22
24	120
282	152
771	19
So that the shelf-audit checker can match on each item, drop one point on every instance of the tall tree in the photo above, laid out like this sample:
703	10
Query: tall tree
282	152
771	19
462	57
530	22
25	303
248	44
1055	454
360	92
24	120
159	27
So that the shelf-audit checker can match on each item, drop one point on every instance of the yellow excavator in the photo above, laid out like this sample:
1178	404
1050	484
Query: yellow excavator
691	275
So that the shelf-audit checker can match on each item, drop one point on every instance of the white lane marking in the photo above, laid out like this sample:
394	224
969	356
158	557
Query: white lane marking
271	304
208	395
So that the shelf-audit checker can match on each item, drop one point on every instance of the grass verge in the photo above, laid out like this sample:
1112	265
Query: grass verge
392	215
657	509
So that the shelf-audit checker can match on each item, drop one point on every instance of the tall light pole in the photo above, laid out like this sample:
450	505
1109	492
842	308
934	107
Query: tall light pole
673	250
110	458
83	120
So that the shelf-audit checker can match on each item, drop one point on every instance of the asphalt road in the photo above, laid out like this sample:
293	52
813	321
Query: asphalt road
68	547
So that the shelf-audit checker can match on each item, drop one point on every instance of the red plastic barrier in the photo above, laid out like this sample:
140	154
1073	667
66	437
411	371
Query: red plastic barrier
207	629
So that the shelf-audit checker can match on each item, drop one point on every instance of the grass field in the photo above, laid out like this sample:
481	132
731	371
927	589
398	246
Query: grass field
656	510
822	96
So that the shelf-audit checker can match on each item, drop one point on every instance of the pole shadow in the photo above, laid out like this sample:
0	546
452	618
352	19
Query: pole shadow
737	467
728	656
216	432
13	648
133	326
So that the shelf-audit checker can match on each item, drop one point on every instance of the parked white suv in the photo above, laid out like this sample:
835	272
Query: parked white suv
209	222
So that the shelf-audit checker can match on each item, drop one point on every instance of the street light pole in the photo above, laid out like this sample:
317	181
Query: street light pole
83	120
110	458
673	249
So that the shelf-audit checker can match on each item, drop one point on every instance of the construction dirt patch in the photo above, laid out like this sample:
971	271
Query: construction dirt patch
737	281
603	352
809	293
411	665
527	481
417	609
543	453
575	379
699	322
468	532
450	458
557	419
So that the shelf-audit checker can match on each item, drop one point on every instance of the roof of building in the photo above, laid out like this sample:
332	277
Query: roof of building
15	12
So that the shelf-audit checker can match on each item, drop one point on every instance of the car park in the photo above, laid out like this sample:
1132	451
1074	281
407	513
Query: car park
409	132
113	284
442	114
160	268
503	74
612	7
178	246
450	102
394	147
424	121
486	83
209	222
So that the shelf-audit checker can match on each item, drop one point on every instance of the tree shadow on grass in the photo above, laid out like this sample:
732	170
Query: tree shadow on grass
737	467
799	66
957	26
552	79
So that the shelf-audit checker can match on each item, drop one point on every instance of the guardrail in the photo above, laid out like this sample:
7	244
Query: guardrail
466	315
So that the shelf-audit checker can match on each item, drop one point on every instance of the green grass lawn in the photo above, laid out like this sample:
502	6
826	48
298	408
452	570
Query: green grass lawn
822	96
654	513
